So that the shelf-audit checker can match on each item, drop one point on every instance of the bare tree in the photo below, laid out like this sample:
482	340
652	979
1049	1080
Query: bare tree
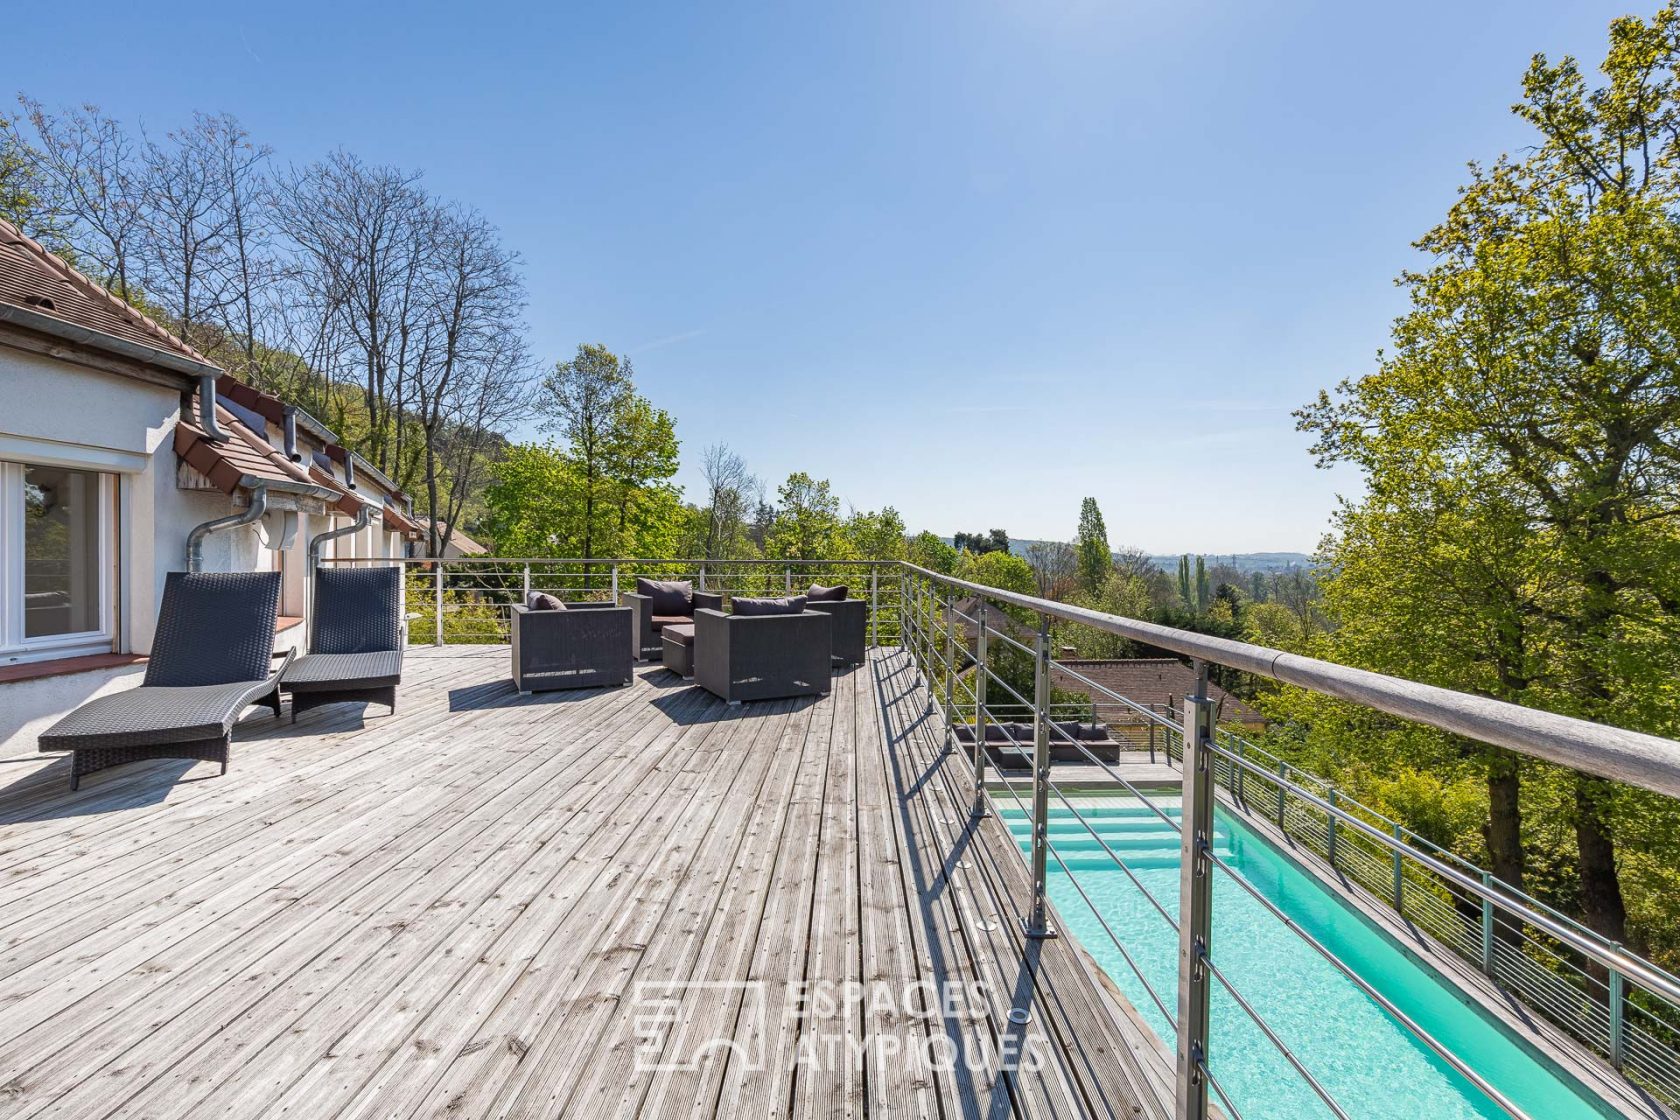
184	226
351	225
470	373
732	491
90	179
1055	566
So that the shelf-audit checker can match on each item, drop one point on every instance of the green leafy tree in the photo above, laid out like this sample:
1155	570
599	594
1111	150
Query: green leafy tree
1096	559
875	536
1539	365
534	503
582	400
807	520
930	552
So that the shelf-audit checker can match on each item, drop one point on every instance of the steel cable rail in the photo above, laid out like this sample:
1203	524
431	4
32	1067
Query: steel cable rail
1036	818
1607	752
1253	1014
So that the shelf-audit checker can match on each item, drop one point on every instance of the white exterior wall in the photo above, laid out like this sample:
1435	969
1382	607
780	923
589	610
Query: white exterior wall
30	707
55	411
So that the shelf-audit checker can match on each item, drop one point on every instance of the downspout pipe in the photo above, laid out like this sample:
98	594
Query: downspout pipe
319	539
207	409
253	514
288	431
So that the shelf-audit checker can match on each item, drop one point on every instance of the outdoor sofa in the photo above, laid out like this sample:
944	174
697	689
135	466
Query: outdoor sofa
212	657
356	641
765	649
851	621
1012	743
571	645
658	602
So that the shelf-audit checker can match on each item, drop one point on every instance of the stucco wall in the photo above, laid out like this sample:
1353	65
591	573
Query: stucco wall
30	707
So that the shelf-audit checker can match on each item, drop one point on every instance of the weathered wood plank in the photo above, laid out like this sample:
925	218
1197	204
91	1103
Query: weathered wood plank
446	912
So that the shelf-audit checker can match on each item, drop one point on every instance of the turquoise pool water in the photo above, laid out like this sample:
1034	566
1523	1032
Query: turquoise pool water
1369	1063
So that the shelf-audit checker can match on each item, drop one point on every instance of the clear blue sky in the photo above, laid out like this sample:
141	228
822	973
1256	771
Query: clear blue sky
974	259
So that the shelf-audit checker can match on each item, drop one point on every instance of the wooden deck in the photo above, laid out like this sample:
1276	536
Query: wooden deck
635	901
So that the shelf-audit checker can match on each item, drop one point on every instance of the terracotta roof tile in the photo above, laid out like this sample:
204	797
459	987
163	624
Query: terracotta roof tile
1154	682
38	281
244	455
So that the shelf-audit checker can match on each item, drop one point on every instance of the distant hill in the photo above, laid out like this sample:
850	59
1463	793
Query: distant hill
1242	561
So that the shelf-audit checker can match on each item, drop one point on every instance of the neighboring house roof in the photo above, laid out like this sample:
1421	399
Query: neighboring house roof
996	619
243	460
1153	682
38	291
458	540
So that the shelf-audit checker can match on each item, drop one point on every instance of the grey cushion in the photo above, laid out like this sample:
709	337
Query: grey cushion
680	632
821	594
152	715
331	672
669	596
788	605
543	601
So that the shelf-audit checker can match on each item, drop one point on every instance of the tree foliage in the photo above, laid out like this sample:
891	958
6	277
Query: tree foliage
1517	537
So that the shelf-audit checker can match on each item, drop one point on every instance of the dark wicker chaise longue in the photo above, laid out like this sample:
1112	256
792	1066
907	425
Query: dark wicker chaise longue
212	657
355	642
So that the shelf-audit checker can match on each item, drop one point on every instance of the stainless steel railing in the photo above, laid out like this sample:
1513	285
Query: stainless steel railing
1613	1001
1606	997
468	600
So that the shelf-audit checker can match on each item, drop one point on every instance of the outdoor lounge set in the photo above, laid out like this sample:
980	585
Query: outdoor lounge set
213	655
761	649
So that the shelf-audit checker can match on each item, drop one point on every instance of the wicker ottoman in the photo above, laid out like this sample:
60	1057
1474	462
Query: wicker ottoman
678	640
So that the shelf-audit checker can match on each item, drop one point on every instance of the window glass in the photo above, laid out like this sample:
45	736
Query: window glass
61	572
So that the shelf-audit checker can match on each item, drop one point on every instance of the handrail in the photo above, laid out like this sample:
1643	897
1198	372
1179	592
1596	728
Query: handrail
1634	757
931	623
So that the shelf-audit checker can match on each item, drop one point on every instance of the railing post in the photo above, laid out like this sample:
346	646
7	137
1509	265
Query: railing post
875	608
1399	873
1283	776
1487	927
1152	742
615	584
980	672
1618	1019
1237	770
1037	922
1330	828
702	577
950	671
1195	901
787	581
525	592
438	580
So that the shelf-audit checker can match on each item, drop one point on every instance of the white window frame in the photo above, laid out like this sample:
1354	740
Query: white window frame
15	649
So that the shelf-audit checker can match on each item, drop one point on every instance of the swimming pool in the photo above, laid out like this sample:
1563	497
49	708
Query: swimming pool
1366	1061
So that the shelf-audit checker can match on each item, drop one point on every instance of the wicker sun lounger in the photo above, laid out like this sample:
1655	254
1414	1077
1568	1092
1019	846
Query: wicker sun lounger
355	644
212	657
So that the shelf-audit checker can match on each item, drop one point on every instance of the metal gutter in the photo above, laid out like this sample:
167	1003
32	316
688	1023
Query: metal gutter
99	340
